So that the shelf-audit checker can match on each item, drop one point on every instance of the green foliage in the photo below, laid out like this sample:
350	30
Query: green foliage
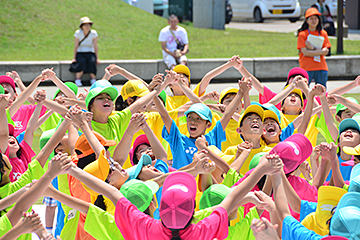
43	30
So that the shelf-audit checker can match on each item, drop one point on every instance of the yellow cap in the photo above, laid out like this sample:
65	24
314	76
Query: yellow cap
99	168
253	109
297	91
218	152
134	88
226	91
328	198
271	114
182	69
352	150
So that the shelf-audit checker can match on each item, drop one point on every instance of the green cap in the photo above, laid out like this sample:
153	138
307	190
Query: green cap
356	117
162	95
2	91
71	85
139	193
341	107
255	160
111	90
214	195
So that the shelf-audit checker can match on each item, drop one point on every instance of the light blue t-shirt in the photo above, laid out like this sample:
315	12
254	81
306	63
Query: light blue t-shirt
183	147
292	229
287	132
345	171
306	208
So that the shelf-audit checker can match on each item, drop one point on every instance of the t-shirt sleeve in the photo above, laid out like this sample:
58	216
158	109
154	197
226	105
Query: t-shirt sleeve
5	225
201	214
77	34
301	40
287	131
231	178
267	96
162	36
26	152
122	120
322	127
306	208
94	33
217	135
101	224
294	230
173	137
242	228
186	39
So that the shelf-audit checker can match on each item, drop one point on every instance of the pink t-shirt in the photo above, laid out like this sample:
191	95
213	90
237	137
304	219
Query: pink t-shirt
22	117
20	165
268	95
134	224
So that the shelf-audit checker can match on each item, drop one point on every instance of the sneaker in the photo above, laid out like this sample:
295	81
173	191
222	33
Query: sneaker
92	81
78	82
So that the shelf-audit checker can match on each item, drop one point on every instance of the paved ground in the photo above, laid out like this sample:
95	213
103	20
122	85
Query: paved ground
284	26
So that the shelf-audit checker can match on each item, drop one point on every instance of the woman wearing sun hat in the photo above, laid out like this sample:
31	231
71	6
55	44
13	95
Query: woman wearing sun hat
85	51
311	56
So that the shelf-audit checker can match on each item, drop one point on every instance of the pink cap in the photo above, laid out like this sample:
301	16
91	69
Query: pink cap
138	141
11	129
348	163
334	238
178	200
293	151
9	80
298	71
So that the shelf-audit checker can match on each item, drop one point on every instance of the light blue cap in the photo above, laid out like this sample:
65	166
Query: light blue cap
346	219
269	106
135	170
202	110
101	83
348	123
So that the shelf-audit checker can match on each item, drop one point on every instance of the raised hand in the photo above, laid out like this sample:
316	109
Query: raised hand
271	164
332	99
40	96
263	197
113	69
203	166
264	230
214	95
29	223
4	100
48	73
328	151
59	164
236	62
318	90
156	80
306	170
137	122
77	115
256	200
244	146
82	96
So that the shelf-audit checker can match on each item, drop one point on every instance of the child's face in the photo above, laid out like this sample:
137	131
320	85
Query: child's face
347	113
144	149
184	79
118	176
271	130
228	99
13	145
102	104
64	145
149	172
349	138
8	89
196	125
6	169
313	21
252	126
292	103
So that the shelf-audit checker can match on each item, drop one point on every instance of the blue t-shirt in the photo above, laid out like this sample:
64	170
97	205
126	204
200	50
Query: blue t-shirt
345	171
163	167
183	147
306	208
294	230
287	132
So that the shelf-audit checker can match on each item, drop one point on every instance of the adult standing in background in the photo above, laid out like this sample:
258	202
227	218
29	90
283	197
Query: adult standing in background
173	38
85	51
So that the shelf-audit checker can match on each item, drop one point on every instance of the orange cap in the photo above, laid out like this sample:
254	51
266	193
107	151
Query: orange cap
312	11
83	145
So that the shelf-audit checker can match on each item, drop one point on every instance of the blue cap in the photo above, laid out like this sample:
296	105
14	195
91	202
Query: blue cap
101	83
202	110
135	170
346	219
348	123
355	172
269	106
355	185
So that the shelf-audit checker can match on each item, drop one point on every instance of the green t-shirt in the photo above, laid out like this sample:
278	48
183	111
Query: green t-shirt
242	230
201	214
101	224
5	225
51	122
34	171
115	128
231	178
322	127
8	116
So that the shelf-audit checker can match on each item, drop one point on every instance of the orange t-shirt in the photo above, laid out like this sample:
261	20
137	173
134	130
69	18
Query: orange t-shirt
308	63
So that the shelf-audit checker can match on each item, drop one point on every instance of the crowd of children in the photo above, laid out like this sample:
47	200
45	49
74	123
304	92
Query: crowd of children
191	165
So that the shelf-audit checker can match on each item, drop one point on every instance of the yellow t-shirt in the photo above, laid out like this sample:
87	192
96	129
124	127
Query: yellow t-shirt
311	131
245	168
232	137
174	102
310	222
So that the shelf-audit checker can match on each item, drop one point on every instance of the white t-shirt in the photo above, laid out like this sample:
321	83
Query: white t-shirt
87	45
166	36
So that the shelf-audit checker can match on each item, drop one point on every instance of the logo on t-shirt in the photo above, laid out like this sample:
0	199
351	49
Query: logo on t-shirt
72	214
18	124
191	150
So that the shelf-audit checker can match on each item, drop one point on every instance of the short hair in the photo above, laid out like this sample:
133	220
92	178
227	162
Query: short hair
248	114
172	16
226	95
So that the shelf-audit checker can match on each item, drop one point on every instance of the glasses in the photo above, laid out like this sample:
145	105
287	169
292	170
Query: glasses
111	164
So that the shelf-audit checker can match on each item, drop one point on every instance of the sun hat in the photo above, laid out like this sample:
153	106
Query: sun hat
227	91
178	200
202	110
293	151
84	20
142	139
213	195
103	87
133	88
253	108
346	219
71	85
340	107
312	11
9	80
139	193
256	159
182	69
328	198
347	124
134	171
297	71
352	150
98	168
83	145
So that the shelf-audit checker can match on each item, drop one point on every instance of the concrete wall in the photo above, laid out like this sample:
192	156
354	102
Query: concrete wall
340	67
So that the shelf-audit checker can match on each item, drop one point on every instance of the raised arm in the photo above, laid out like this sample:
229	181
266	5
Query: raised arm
31	127
229	111
256	83
113	69
50	74
347	103
4	131
293	199
347	87
13	198
328	150
14	75
56	107
243	151
155	144
329	119
283	94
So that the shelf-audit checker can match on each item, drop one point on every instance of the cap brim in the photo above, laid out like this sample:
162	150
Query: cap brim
110	143
350	151
271	114
180	178
355	172
227	91
253	109
348	163
99	168
330	193
111	90
198	113
347	124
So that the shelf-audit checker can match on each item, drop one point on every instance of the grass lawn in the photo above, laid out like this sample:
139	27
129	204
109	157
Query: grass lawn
43	30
